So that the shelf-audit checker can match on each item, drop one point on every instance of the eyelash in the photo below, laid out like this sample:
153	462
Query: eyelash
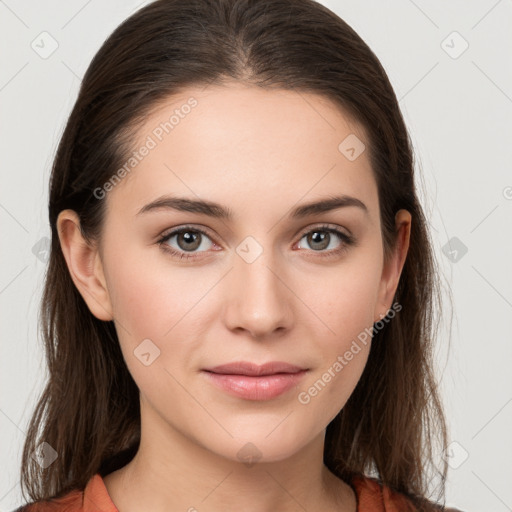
347	241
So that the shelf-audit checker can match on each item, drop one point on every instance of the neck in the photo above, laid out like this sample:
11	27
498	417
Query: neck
171	472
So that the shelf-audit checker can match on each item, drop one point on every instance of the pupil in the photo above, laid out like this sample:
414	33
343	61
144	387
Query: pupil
190	238
322	239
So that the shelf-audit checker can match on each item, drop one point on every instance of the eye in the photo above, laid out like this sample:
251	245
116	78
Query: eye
321	238
188	239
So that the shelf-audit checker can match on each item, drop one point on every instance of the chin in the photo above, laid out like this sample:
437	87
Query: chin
260	447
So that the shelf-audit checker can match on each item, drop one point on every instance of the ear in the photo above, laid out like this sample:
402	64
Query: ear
84	264
393	268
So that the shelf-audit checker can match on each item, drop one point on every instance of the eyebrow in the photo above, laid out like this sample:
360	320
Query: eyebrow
218	211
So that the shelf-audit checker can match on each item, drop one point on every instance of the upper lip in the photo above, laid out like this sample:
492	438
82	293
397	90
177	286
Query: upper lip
252	369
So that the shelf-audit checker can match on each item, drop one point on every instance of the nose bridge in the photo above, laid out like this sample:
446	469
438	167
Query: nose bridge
259	301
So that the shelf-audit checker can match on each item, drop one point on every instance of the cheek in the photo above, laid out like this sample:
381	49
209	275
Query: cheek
344	304
149	297
152	300
150	304
137	300
336	383
343	359
343	298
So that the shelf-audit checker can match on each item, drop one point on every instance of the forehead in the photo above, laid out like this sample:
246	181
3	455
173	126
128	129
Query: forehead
249	148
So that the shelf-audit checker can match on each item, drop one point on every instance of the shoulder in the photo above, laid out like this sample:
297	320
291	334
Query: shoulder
94	497
71	502
373	496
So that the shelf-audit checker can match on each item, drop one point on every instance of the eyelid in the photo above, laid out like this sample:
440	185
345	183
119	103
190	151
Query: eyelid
184	227
347	239
168	234
208	232
326	226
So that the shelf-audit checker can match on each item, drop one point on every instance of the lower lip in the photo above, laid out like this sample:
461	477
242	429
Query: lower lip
264	387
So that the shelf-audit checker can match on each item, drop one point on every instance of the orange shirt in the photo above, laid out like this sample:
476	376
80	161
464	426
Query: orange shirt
371	497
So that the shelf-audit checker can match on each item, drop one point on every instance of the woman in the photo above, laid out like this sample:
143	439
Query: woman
283	360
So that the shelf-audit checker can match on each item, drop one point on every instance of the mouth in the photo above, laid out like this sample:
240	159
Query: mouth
255	382
255	370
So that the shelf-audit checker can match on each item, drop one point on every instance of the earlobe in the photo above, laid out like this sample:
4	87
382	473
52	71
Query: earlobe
84	265
393	268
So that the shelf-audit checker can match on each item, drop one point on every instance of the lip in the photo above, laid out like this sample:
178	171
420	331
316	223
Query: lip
255	382
253	369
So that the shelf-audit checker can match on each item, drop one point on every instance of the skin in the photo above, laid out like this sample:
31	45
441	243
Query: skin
260	153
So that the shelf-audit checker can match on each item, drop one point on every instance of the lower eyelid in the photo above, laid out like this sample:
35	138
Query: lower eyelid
165	238
345	239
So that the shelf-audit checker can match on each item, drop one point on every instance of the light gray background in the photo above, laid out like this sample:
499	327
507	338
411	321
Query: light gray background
458	107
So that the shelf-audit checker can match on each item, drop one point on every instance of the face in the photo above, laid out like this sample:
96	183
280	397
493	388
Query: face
256	278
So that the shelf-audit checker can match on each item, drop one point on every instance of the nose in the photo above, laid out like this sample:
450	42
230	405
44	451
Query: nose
258	299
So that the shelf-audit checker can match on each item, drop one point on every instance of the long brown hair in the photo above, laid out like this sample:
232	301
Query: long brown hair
393	426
